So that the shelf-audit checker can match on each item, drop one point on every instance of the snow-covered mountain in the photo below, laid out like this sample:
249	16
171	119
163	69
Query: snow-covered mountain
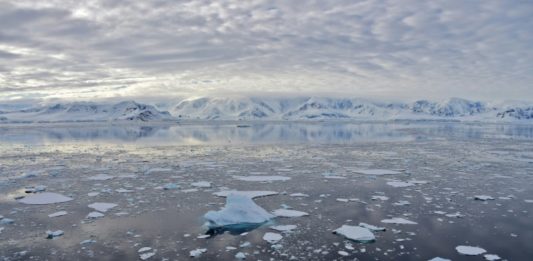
87	111
274	109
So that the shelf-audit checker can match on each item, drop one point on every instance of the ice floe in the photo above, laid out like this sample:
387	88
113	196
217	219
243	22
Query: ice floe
376	172
262	178
483	197
54	234
58	214
400	221
239	210
491	257
470	250
95	215
102	207
101	177
289	213
439	259
284	228
356	233
372	227
250	194
272	238
201	184
400	184
44	198
197	252
240	256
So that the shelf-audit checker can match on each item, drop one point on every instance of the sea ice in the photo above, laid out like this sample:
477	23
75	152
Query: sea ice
439	259
400	221
491	257
372	227
250	194
44	198
95	215
239	209
470	250
289	213
58	214
240	256
483	197
53	234
272	238
400	184
262	178
356	233
201	184
197	252
298	195
102	207
101	177
284	228
376	172
145	256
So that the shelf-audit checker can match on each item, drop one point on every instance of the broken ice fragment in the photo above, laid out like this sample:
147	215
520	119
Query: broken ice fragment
272	238
44	198
284	228
102	207
400	221
261	178
197	252
144	249
372	227
439	259
289	213
95	215
53	234
470	250
239	213
240	256
101	177
356	233
201	184
491	257
376	172
170	186
400	184
250	194
145	256
58	214
298	195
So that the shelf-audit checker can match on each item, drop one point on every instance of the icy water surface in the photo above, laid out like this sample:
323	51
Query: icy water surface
159	182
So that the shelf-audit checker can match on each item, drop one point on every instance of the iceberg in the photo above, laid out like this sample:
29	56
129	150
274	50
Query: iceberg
239	215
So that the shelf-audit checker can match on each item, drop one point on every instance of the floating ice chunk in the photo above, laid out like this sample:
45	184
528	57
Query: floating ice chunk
32	189
101	177
123	190
272	238
45	198
376	172
372	227
95	215
145	256
342	200
1	229
240	256
356	233
343	253
284	228
197	252
156	170
201	184
250	194
262	178
289	213
379	197
401	221
93	194
6	221
439	259
455	215
400	184
470	250
239	209
58	214
491	257
102	207
298	195
483	197
528	200
401	203
170	186
144	249
54	234
87	241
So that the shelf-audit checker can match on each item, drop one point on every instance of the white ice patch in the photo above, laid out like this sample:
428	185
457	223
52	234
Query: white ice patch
284	228
376	172
197	252
201	184
239	209
95	215
101	177
58	214
491	257
439	259
146	256
298	195
356	233
401	221
272	238
470	250
372	227
262	178
250	194
400	184
54	234
44	198
289	213
102	207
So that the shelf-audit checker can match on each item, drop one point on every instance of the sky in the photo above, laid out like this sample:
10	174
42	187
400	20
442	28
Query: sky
405	49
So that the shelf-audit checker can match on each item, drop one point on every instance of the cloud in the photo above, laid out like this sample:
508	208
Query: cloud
391	48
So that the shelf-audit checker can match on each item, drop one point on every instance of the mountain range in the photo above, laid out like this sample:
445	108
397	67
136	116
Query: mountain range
270	108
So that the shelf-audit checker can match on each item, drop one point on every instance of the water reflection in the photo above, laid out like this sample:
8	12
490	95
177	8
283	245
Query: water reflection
326	133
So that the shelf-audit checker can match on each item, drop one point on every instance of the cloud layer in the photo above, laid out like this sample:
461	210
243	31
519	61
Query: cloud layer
391	48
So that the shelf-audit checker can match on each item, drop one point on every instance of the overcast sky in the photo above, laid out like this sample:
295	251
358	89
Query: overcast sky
373	48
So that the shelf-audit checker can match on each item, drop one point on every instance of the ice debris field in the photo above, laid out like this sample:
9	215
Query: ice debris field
457	197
